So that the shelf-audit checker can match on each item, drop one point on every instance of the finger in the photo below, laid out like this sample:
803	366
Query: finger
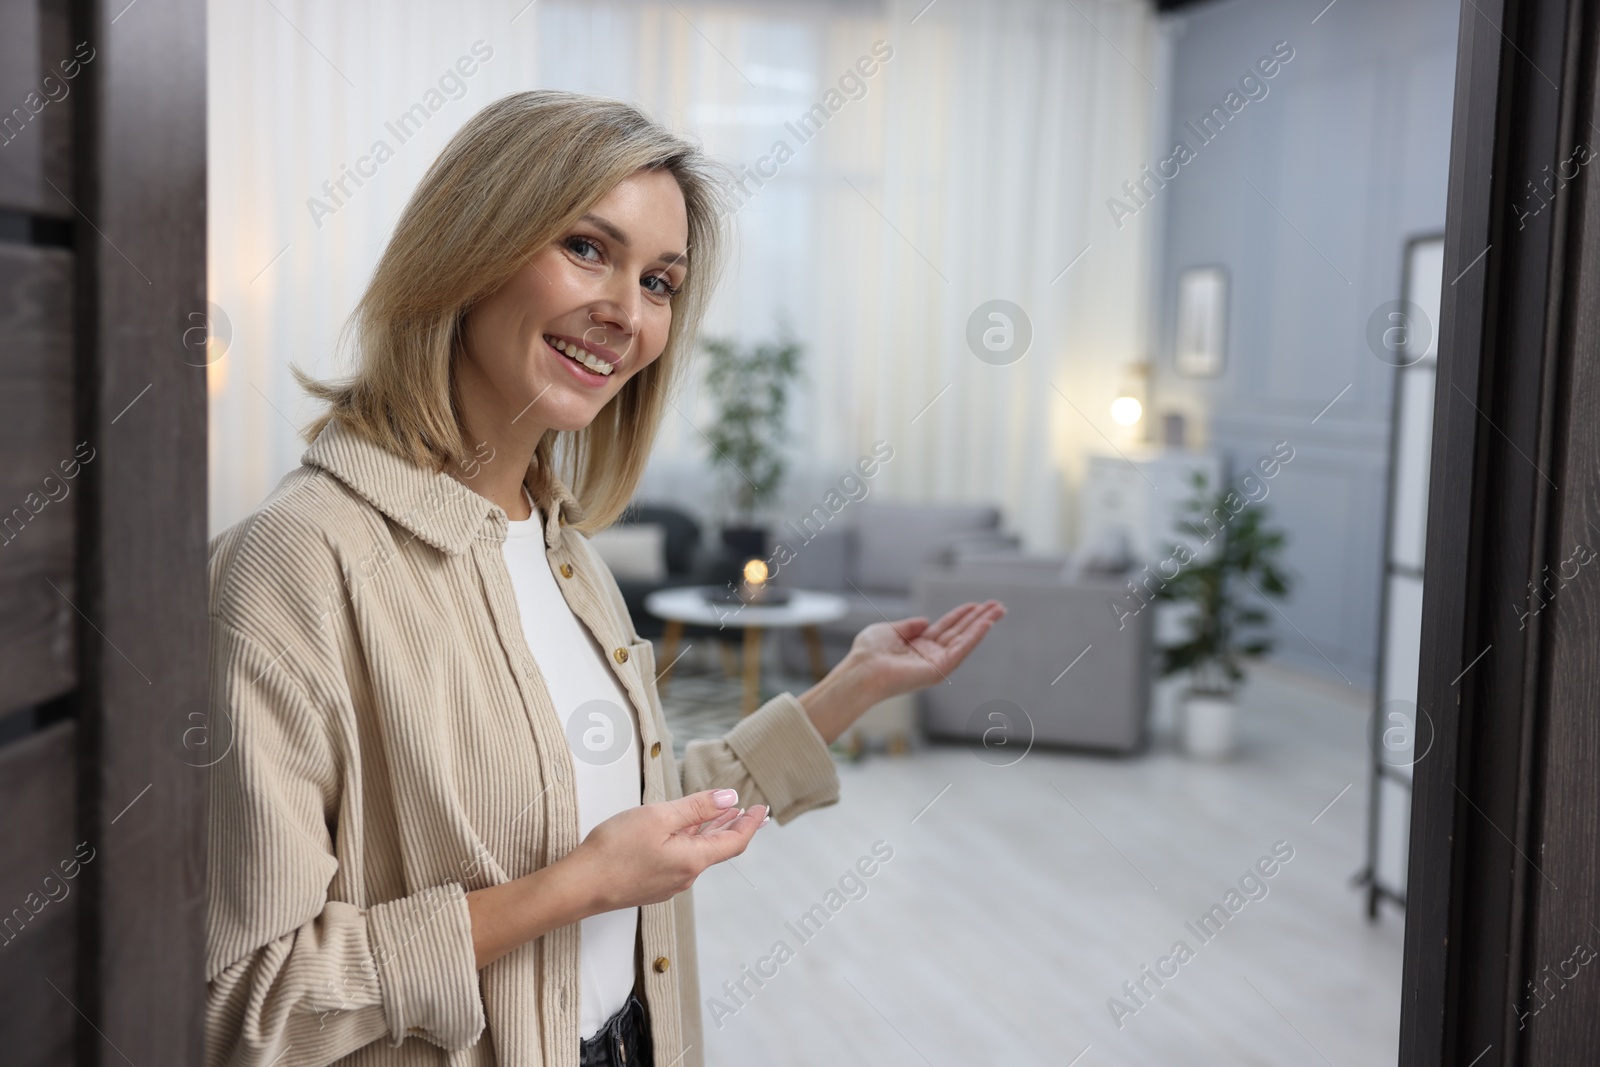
949	619
728	841
979	610
748	821
720	821
703	827
910	629
955	617
957	642
952	634
991	613
696	808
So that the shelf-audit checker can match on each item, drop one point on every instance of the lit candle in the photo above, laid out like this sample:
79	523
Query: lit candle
755	579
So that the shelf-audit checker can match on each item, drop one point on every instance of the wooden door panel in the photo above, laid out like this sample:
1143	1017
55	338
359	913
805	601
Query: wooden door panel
41	479
37	101
41	887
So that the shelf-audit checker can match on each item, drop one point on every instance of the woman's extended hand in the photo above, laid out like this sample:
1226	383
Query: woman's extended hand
890	658
900	657
652	853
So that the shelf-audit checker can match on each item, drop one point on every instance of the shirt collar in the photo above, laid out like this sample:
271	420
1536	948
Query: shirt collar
434	506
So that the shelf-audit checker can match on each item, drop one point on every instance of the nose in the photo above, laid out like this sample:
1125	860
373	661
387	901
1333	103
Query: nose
615	319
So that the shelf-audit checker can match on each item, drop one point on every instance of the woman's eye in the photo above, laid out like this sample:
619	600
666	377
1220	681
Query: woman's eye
581	246
661	286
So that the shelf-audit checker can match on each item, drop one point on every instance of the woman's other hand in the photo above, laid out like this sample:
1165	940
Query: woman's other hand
652	853
639	856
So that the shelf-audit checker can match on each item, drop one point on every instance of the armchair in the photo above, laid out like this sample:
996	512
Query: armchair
1060	654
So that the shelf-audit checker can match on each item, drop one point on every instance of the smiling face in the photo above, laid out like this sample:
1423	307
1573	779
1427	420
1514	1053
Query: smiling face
552	346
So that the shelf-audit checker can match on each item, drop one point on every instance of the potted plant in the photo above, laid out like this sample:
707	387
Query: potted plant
749	385
1229	556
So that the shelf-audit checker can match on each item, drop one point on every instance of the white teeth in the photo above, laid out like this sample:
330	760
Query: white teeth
579	355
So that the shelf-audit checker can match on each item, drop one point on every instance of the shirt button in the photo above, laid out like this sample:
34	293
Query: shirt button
655	749
566	570
621	655
661	964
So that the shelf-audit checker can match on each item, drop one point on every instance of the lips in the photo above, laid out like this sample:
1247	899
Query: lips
601	363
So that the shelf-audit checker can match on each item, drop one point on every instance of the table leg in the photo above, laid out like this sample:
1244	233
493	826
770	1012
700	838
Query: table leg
730	665
752	668
819	665
671	635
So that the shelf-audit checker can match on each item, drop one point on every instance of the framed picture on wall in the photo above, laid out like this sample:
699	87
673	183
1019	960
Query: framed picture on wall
1202	322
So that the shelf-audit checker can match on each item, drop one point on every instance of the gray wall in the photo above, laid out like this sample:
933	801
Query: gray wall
1350	146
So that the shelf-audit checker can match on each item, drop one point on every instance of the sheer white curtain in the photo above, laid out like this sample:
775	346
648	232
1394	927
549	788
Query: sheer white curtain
972	163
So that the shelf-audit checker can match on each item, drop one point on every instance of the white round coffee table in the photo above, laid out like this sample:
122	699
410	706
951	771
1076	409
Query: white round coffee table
806	610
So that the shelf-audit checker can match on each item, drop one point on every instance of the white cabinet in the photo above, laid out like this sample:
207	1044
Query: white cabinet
1139	497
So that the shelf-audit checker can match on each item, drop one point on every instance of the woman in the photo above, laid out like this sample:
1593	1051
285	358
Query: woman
418	853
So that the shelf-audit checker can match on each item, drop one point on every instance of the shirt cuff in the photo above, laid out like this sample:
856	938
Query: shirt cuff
790	762
427	967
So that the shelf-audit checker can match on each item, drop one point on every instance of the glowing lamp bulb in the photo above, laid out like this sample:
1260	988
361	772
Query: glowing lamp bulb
1126	410
755	572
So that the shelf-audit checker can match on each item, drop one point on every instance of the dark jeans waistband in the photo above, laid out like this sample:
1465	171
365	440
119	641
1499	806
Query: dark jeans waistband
624	1040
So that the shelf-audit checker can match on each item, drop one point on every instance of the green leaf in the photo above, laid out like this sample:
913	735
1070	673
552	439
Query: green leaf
1242	551
749	386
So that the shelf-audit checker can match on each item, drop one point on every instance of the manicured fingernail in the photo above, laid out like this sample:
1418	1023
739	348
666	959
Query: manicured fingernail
725	798
767	817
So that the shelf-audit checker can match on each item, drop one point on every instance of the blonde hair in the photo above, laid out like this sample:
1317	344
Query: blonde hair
513	179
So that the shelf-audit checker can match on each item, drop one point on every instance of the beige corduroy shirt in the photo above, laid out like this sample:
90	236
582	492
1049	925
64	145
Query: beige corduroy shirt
393	747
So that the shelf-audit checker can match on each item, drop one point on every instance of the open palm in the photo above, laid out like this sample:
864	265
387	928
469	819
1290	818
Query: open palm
909	654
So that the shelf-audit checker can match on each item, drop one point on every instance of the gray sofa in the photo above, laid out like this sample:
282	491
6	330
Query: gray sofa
898	560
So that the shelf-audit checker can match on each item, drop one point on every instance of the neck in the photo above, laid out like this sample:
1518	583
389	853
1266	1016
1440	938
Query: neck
501	444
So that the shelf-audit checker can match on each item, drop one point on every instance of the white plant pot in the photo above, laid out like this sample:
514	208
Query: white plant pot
1210	726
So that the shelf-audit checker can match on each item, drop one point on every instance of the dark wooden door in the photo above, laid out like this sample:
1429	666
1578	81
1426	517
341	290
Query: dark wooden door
1505	889
102	531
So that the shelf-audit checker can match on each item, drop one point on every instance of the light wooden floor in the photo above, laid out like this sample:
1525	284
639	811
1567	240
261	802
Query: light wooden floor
1020	901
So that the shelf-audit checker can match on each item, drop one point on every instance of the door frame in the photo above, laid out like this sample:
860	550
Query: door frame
1499	685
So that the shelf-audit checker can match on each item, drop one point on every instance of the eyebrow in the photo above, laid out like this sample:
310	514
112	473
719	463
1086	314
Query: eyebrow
610	229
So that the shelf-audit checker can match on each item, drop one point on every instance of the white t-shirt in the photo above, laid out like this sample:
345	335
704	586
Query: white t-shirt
603	732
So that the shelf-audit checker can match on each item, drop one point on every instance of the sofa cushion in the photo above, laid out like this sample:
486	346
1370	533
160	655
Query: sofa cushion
683	533
634	550
894	541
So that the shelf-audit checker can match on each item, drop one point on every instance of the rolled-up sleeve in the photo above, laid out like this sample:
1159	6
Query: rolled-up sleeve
294	978
774	756
427	966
